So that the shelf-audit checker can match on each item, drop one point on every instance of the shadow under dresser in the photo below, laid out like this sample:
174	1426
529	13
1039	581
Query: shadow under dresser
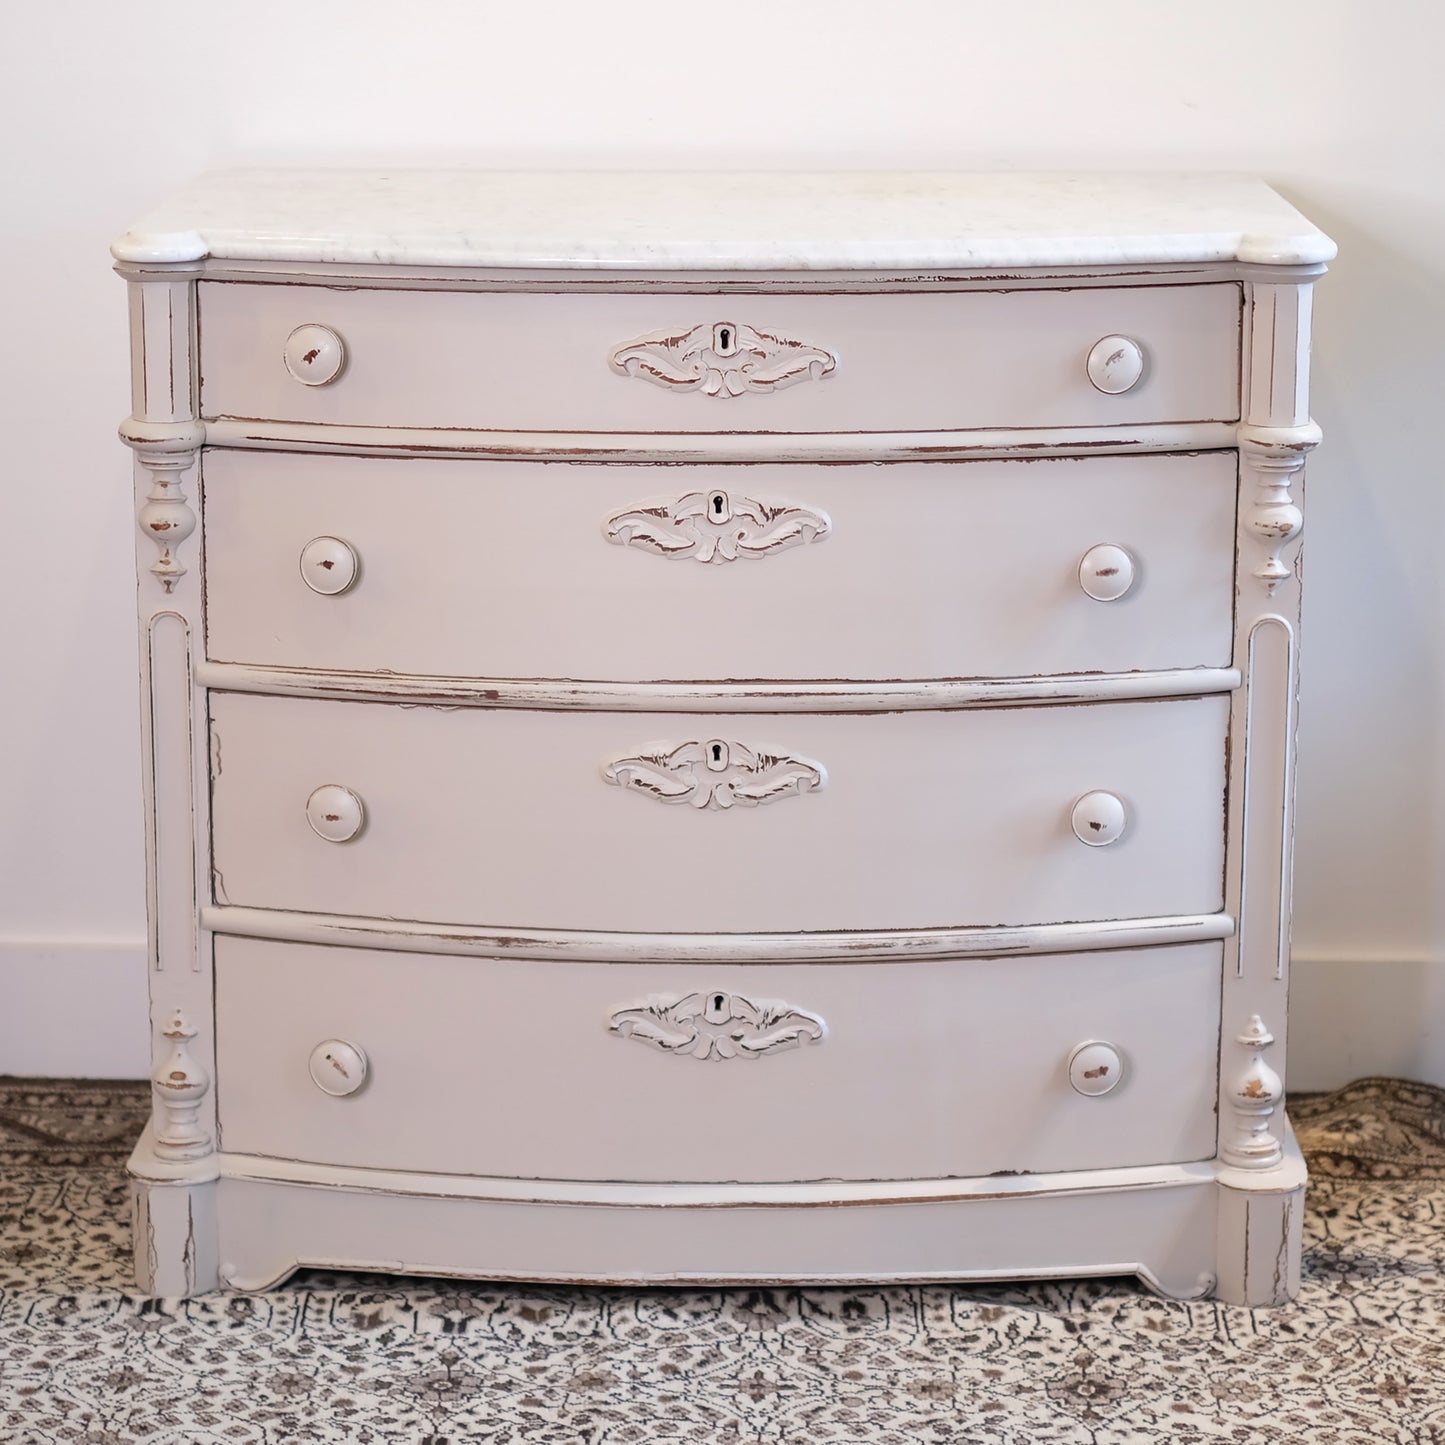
720	728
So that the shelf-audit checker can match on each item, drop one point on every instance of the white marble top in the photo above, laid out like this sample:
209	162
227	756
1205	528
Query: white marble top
776	221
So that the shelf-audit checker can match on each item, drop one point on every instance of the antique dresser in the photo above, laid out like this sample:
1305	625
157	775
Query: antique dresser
720	728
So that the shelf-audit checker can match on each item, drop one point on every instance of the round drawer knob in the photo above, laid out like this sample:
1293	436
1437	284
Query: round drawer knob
1106	572
315	355
337	1067
335	813
1099	819
1095	1068
1116	364
330	566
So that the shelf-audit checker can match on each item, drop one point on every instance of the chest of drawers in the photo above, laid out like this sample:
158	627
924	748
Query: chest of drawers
727	728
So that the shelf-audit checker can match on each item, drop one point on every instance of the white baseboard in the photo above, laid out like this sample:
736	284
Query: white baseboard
1354	1017
77	1009
74	1008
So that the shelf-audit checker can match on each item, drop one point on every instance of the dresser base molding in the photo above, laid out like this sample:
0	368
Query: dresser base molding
1184	1230
893	945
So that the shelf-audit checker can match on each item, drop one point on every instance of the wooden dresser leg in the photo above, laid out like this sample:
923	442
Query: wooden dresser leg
175	1238
1260	1223
173	1223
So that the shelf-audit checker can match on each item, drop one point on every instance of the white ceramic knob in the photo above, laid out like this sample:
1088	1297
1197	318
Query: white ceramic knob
1095	1068
337	1067
329	565
1106	572
1099	819
335	813
1116	364
315	355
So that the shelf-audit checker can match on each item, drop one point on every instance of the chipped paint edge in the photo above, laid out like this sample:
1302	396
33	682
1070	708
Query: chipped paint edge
939	694
884	945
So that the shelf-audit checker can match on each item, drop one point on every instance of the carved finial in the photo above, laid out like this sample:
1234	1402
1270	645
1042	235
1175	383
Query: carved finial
166	518
180	1084
166	450
1254	1095
1276	521
1275	455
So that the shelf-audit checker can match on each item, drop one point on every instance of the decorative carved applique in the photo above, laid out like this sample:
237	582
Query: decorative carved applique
718	1026
716	527
715	774
1254	1095
721	359
179	1084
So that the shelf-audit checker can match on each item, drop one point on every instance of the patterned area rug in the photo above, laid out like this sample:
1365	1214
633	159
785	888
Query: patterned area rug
370	1359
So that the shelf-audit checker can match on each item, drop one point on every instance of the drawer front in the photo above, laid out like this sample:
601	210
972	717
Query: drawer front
695	823
609	1071
909	569
656	363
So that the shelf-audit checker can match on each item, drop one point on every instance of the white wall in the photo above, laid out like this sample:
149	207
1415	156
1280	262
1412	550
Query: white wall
107	107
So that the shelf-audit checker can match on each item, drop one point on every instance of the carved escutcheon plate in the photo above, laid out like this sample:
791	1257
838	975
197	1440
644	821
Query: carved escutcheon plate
721	358
717	1025
715	774
716	526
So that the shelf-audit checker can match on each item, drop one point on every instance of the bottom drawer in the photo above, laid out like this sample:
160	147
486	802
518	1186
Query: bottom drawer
715	1073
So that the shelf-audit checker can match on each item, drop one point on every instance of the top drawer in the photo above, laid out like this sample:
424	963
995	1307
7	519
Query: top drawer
719	363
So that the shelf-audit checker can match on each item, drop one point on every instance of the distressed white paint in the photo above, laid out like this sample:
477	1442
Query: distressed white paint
328	565
899	696
702	447
338	1067
721	359
180	1084
508	361
716	526
546	944
925	1070
173	1216
717	1025
506	562
813	1194
931	826
1163	1233
1116	364
520	825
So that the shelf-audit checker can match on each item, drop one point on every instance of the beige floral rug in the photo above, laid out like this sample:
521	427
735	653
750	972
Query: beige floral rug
371	1359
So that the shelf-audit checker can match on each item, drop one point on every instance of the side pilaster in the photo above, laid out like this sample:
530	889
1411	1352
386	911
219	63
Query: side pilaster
174	1166
1262	1175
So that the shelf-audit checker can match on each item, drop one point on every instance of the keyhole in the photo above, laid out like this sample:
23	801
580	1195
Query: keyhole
724	339
717	1009
719	507
716	754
